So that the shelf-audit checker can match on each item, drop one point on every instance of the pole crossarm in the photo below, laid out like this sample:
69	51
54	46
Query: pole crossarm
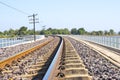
33	20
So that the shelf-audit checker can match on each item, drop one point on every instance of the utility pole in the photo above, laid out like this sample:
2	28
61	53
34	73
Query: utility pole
33	20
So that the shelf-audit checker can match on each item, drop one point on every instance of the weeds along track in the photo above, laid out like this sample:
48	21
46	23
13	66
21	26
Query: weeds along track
31	64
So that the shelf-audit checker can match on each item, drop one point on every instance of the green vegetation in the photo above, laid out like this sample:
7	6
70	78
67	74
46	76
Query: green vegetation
80	31
74	31
55	31
15	33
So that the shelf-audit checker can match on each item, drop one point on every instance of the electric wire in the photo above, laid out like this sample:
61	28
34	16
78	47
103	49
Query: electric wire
14	8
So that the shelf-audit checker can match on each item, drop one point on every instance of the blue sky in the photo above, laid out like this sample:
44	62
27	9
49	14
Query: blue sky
89	14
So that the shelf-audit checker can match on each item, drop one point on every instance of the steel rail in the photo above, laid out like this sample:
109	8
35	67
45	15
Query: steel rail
50	70
9	60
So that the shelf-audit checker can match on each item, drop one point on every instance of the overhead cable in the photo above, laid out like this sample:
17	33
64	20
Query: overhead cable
14	8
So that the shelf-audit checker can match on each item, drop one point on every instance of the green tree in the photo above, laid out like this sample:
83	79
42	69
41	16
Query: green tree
111	31
119	33
100	32
46	32
106	33
54	31
30	32
1	33
74	31
22	31
42	32
66	31
93	33
81	31
49	29
6	32
60	31
11	33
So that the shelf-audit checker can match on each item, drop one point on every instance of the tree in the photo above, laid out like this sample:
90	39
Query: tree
60	31
106	33
49	29
93	33
30	32
42	32
74	31
22	31
119	33
81	31
11	33
1	33
66	31
100	32
6	32
46	32
54	31
111	31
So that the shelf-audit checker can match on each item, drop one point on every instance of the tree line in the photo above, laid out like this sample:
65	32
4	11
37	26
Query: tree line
82	31
74	31
17	32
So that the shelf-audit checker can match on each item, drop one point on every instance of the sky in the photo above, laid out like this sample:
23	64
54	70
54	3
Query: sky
89	14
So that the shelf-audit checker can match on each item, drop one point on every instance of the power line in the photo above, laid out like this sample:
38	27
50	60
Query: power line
14	8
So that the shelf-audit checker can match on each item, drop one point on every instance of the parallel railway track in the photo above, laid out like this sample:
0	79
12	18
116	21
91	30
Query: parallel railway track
55	59
13	58
71	66
99	66
50	60
32	64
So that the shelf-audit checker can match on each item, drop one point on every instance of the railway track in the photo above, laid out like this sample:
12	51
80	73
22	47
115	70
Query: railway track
55	59
59	59
99	66
15	57
68	66
109	53
32	64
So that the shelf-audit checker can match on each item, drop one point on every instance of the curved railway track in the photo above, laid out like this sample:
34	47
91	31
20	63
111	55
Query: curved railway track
70	66
31	64
50	60
15	57
58	59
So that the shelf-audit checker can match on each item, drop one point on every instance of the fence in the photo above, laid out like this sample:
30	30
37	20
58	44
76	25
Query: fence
4	42
111	41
